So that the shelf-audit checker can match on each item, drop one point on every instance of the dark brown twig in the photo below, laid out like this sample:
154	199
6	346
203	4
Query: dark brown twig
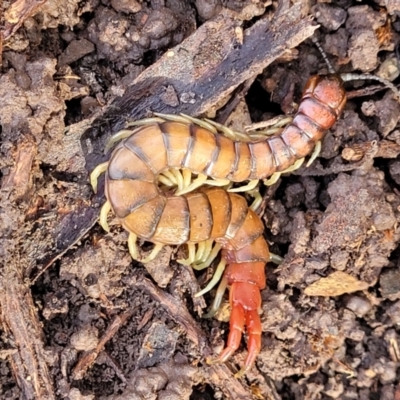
89	357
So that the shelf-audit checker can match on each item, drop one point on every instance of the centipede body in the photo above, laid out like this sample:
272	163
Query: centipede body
161	217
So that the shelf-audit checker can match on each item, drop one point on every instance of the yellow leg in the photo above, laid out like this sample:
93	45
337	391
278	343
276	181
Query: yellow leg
179	178
165	181
277	122
132	246
218	298
118	137
273	179
214	280
187	177
229	132
250	186
294	166
105	209
168	174
200	250
156	249
94	176
275	258
207	257
194	185
217	182
315	153
255	205
191	255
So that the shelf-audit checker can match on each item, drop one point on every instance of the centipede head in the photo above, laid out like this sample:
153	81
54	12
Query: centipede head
328	89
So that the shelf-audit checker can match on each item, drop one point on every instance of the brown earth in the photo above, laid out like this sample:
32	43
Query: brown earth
81	320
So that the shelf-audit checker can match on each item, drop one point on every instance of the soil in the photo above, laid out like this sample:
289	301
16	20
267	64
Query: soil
80	319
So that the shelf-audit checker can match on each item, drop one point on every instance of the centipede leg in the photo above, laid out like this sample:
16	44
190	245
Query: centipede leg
253	326
236	328
191	256
199	181
207	256
273	179
234	135
219	295
132	238
144	121
124	133
250	186
94	176
315	153
201	122
105	209
255	205
153	254
274	258
214	280
271	124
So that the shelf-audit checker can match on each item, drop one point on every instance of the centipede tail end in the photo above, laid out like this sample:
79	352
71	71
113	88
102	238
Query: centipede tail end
245	300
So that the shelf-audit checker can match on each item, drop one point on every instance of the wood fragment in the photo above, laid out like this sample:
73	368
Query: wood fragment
89	357
17	13
386	149
335	284
220	376
176	310
18	314
19	179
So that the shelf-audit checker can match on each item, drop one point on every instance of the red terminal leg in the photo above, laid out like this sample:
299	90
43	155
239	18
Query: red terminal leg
246	280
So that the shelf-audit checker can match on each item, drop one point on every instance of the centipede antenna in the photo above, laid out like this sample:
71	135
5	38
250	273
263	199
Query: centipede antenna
324	56
365	77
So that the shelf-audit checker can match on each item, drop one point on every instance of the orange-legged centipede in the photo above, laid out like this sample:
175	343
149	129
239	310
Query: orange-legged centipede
145	211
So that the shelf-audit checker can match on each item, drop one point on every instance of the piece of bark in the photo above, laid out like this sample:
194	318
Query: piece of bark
220	376
386	149
18	315
176	310
202	70
89	357
20	322
17	13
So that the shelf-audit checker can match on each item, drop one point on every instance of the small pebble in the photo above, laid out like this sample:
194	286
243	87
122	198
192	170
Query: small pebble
359	305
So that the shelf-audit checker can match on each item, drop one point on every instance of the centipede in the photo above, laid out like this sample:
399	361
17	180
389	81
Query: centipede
151	154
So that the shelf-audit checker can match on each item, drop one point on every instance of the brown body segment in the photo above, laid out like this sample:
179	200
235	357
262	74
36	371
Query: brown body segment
134	195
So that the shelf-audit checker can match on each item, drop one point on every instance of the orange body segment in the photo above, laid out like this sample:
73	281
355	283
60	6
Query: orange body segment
211	213
201	219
